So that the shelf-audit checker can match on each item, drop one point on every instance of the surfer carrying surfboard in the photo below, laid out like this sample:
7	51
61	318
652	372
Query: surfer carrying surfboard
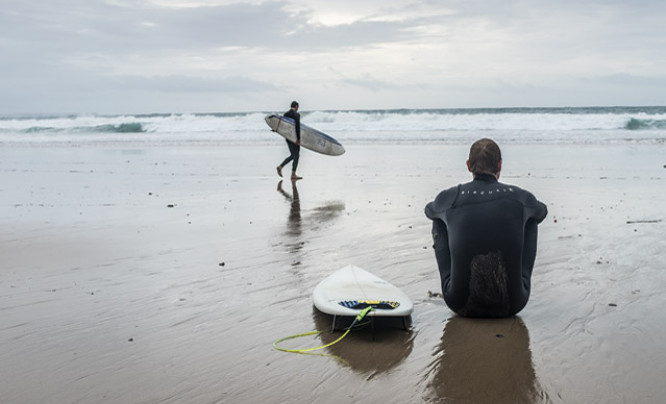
485	239
294	148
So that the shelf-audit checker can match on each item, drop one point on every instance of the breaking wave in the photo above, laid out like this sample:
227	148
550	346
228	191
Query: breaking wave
645	124
515	125
130	127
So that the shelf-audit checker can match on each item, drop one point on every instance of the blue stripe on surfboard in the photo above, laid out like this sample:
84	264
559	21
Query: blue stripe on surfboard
362	304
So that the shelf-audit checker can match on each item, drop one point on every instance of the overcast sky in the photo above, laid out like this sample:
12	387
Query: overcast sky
143	56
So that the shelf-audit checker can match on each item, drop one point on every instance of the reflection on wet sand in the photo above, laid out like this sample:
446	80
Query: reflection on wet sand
485	361
326	212
296	222
365	350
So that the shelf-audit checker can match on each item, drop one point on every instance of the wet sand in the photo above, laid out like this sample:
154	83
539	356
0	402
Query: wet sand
158	275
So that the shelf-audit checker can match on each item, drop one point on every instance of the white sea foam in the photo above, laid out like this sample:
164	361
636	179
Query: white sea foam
527	125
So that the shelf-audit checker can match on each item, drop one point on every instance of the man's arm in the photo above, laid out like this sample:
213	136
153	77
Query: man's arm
535	213
297	121
529	251
440	237
540	212
534	210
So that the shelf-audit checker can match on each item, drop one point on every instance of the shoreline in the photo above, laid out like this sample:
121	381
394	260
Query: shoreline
164	274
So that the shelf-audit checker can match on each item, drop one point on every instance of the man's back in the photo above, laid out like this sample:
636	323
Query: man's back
485	243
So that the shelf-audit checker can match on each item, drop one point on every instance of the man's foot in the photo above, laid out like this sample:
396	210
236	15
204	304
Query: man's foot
279	170
295	177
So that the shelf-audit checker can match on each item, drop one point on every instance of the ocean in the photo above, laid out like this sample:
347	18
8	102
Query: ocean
590	125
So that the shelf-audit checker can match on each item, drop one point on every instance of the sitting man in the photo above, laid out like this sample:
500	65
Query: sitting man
485	239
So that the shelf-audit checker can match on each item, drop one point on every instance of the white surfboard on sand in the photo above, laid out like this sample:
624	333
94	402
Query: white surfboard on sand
311	138
351	289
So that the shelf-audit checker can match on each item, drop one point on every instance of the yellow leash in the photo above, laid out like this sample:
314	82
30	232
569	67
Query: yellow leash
358	318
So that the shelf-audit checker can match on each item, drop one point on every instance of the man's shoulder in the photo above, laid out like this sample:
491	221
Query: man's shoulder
529	201
495	191
519	193
442	202
292	114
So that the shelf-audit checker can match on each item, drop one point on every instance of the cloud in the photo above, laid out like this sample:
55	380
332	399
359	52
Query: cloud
389	52
186	84
371	84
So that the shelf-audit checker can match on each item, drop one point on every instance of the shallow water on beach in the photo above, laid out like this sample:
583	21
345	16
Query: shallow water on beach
165	274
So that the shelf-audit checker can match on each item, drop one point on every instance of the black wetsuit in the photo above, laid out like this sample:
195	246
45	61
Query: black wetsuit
480	224
294	149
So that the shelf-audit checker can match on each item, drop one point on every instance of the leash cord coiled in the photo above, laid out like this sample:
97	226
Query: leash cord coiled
358	318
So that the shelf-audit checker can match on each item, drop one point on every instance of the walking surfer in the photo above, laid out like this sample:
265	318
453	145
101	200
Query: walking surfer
294	148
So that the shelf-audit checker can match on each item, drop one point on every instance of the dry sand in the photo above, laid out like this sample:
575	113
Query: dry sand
163	275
